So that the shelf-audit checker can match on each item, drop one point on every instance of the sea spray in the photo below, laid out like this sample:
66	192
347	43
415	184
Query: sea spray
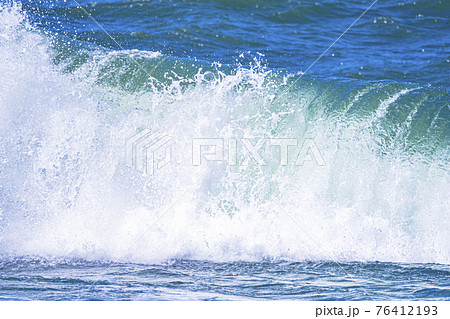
66	191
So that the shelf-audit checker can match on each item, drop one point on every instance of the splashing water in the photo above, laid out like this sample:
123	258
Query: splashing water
65	189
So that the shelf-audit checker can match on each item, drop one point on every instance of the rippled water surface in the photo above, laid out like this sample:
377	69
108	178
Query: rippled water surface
27	278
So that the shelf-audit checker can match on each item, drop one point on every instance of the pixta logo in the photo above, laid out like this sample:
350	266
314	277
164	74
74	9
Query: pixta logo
249	150
148	151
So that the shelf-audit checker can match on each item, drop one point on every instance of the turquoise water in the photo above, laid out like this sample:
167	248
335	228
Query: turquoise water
370	220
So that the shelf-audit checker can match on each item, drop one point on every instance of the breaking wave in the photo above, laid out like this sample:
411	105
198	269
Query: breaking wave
66	112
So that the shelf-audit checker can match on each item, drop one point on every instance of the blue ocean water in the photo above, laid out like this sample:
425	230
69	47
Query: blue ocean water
79	78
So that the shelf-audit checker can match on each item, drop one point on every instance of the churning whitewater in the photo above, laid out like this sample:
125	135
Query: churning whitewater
67	110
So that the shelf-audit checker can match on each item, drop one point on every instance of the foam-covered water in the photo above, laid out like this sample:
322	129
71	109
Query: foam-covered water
67	109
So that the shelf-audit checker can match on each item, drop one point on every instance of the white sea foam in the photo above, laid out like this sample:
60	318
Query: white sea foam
65	189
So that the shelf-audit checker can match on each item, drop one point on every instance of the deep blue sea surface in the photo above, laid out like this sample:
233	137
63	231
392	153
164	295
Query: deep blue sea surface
364	215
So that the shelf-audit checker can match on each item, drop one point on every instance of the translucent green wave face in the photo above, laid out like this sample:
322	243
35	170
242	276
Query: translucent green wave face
406	117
